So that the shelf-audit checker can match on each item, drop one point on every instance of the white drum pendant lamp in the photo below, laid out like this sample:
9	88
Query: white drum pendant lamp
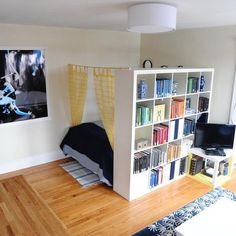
151	18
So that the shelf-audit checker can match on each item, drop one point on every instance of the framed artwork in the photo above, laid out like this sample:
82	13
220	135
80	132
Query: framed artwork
22	85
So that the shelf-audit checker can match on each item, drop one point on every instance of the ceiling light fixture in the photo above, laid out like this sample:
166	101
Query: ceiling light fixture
151	18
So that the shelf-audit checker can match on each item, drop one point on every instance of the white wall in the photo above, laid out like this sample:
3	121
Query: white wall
208	47
31	142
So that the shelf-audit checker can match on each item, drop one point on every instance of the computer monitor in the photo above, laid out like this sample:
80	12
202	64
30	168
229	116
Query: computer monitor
214	135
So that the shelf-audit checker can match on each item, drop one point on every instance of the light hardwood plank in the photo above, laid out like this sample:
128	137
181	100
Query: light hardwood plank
98	210
23	212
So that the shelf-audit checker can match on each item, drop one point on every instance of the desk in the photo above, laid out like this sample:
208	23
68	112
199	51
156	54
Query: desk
215	180
218	219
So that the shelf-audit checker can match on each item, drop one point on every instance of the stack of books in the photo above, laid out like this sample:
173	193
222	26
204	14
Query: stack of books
189	126
143	115
182	168
176	129
188	109
167	172
159	157
163	87
203	104
160	134
173	151
141	161
196	165
156	177
193	84
177	108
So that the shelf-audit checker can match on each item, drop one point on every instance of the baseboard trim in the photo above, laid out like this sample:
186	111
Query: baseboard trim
31	161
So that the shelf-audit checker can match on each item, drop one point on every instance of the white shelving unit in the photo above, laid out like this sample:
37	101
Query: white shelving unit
127	182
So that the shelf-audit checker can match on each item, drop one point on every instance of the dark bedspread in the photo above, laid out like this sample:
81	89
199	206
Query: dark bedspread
92	141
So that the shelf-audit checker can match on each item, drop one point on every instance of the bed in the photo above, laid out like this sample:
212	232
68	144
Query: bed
89	145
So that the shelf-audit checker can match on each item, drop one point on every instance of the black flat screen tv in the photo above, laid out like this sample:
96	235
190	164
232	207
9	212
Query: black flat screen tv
214	135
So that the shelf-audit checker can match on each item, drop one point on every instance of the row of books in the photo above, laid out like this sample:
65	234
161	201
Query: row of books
176	129
144	160
193	84
173	152
168	172
163	87
189	126
143	115
177	108
203	104
160	134
196	165
159	157
141	161
188	109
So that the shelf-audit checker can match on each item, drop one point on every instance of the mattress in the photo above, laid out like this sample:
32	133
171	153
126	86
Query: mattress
89	145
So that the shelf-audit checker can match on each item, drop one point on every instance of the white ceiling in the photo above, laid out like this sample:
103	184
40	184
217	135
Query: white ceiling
112	14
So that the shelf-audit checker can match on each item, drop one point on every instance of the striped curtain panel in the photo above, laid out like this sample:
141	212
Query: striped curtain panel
104	83
78	82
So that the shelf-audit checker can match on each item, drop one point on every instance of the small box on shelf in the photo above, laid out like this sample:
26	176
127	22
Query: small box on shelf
141	143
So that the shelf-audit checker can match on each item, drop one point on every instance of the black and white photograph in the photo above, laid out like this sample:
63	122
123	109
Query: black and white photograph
22	85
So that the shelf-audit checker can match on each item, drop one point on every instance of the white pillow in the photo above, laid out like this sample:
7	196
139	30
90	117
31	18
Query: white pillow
99	123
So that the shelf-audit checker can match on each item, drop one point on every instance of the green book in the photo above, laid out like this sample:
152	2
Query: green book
139	116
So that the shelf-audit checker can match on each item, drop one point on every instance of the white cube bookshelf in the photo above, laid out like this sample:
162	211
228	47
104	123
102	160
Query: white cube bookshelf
178	86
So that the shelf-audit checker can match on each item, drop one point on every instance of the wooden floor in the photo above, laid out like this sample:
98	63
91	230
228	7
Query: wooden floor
23	212
98	210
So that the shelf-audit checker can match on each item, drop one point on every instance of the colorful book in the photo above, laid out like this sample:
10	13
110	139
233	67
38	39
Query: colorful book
159	112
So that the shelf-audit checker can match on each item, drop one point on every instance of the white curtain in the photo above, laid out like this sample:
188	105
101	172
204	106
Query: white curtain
232	117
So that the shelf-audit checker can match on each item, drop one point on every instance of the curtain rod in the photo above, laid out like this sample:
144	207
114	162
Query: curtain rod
102	67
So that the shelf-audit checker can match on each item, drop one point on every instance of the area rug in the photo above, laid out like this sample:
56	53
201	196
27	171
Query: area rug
167	225
84	176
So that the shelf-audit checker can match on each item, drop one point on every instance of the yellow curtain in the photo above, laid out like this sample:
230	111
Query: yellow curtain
104	84
78	81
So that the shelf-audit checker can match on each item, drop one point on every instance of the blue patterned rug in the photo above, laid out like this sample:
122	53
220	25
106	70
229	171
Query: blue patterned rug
167	225
84	176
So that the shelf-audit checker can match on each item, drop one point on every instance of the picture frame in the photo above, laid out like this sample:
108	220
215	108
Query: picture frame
147	64
23	90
